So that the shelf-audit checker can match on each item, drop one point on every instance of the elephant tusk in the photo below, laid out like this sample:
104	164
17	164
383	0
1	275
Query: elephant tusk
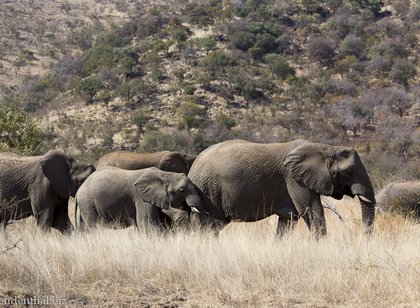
194	209
364	199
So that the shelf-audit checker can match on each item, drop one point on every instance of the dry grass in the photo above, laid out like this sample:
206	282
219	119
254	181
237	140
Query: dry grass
243	266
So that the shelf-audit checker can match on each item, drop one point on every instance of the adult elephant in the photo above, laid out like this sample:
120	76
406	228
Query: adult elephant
395	190
40	186
134	197
246	181
165	160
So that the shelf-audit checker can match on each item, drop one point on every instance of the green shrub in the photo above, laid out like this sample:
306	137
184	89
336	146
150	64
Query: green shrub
150	24
88	87
135	87
161	46
18	132
203	15
242	39
192	115
127	59
105	96
225	120
246	85
343	66
217	62
266	42
406	205
352	45
98	56
180	33
188	88
140	118
154	141
205	44
279	66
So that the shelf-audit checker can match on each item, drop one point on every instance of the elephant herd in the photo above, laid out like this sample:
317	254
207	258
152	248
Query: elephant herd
233	180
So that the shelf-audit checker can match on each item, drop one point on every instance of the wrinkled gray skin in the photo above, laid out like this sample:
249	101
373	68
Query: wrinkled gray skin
40	186
395	190
243	181
134	197
166	161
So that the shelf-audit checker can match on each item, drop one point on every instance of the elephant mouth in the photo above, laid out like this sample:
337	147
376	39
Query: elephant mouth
188	208
340	191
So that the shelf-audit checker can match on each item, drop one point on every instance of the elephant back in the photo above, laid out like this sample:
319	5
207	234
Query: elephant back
164	160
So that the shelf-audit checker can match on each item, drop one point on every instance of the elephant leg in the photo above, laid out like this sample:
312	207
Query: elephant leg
317	218
61	220
148	217
285	225
166	221
45	218
309	206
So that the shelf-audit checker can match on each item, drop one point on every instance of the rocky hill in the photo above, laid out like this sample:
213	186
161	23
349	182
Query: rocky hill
119	74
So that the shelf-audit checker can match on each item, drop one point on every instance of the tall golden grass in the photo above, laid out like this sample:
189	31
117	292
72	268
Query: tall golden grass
244	266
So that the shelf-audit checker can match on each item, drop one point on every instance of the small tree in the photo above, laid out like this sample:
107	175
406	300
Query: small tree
127	60
88	87
134	87
18	132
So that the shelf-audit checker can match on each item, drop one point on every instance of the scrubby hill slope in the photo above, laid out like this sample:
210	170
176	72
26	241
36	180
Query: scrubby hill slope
103	75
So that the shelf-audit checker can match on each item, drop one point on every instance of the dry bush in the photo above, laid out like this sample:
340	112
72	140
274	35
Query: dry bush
244	266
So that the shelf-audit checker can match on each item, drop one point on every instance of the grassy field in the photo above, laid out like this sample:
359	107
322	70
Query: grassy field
243	266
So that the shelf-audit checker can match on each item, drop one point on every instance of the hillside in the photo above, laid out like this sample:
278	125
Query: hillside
103	75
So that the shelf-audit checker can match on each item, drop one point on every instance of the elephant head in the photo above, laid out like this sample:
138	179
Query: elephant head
333	171
176	162
168	189
65	173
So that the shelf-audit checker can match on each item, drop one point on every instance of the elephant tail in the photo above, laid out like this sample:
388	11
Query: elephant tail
75	213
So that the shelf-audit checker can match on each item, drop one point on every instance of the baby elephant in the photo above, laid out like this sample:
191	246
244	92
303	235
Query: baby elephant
134	197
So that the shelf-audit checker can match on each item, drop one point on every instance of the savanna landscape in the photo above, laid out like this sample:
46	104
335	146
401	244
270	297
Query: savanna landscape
86	78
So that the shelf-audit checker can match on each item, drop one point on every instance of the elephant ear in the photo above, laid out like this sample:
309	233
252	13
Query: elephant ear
55	167
153	189
309	164
173	162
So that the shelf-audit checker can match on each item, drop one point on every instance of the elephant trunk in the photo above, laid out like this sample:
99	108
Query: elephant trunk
366	197
368	215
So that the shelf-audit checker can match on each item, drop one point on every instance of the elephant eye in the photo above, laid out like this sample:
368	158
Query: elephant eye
181	190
